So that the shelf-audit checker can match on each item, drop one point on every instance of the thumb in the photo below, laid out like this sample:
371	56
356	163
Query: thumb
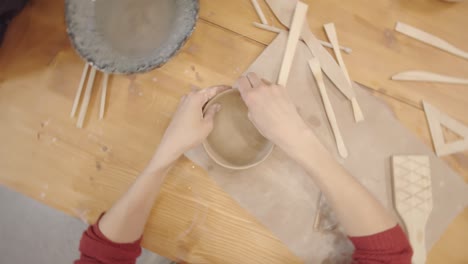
211	112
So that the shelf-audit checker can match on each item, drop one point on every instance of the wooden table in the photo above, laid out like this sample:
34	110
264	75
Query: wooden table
83	171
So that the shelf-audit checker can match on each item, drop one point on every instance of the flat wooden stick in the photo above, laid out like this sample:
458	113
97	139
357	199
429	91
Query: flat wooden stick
87	96
278	30
259	11
314	65
103	96
424	76
267	27
328	64
80	89
333	37
430	39
318	213
293	38
330	30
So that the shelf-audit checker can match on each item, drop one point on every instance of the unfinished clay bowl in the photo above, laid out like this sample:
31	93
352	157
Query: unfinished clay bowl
129	36
235	142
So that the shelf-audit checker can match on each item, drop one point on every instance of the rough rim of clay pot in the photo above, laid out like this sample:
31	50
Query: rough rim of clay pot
112	65
213	156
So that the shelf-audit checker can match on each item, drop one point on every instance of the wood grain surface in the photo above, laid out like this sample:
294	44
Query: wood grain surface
82	172
378	50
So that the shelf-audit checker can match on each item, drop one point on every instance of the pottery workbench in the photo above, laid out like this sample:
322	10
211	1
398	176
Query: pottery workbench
83	171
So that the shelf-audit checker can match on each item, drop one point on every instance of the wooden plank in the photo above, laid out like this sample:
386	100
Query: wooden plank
293	38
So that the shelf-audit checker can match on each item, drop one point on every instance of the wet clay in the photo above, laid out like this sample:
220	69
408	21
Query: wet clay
235	142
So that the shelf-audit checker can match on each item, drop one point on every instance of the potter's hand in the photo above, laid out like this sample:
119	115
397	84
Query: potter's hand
271	111
189	127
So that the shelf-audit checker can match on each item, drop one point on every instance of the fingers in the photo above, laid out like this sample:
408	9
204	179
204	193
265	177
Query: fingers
211	112
266	82
201	97
243	85
254	79
213	91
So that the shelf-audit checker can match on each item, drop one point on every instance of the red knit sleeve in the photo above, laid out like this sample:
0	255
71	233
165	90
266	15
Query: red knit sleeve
391	246
96	248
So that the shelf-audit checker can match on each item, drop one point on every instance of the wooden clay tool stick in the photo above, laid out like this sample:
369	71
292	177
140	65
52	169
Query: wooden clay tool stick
314	65
328	64
278	30
87	96
413	199
259	11
267	27
430	39
318	213
333	37
293	38
282	11
435	119
103	96
424	76
80	89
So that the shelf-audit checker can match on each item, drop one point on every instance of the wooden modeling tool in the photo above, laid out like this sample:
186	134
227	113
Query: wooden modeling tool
87	97
278	30
413	199
424	76
314	65
435	118
333	38
282	10
328	64
79	91
293	38
259	11
267	27
102	109
430	39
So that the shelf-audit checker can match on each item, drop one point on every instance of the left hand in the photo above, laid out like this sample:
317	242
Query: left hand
189	127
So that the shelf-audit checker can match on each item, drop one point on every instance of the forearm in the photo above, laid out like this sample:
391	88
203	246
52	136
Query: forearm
126	220
357	210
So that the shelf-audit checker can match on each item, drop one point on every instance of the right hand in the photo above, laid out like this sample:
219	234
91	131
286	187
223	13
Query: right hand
272	111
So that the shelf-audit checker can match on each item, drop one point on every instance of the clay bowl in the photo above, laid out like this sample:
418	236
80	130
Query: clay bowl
129	36
235	142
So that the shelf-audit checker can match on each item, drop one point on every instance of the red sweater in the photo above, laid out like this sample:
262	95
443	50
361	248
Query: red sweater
391	247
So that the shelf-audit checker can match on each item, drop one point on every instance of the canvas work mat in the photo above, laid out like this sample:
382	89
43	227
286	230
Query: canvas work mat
283	197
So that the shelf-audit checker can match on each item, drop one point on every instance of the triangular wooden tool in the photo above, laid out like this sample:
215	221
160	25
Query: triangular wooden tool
435	118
